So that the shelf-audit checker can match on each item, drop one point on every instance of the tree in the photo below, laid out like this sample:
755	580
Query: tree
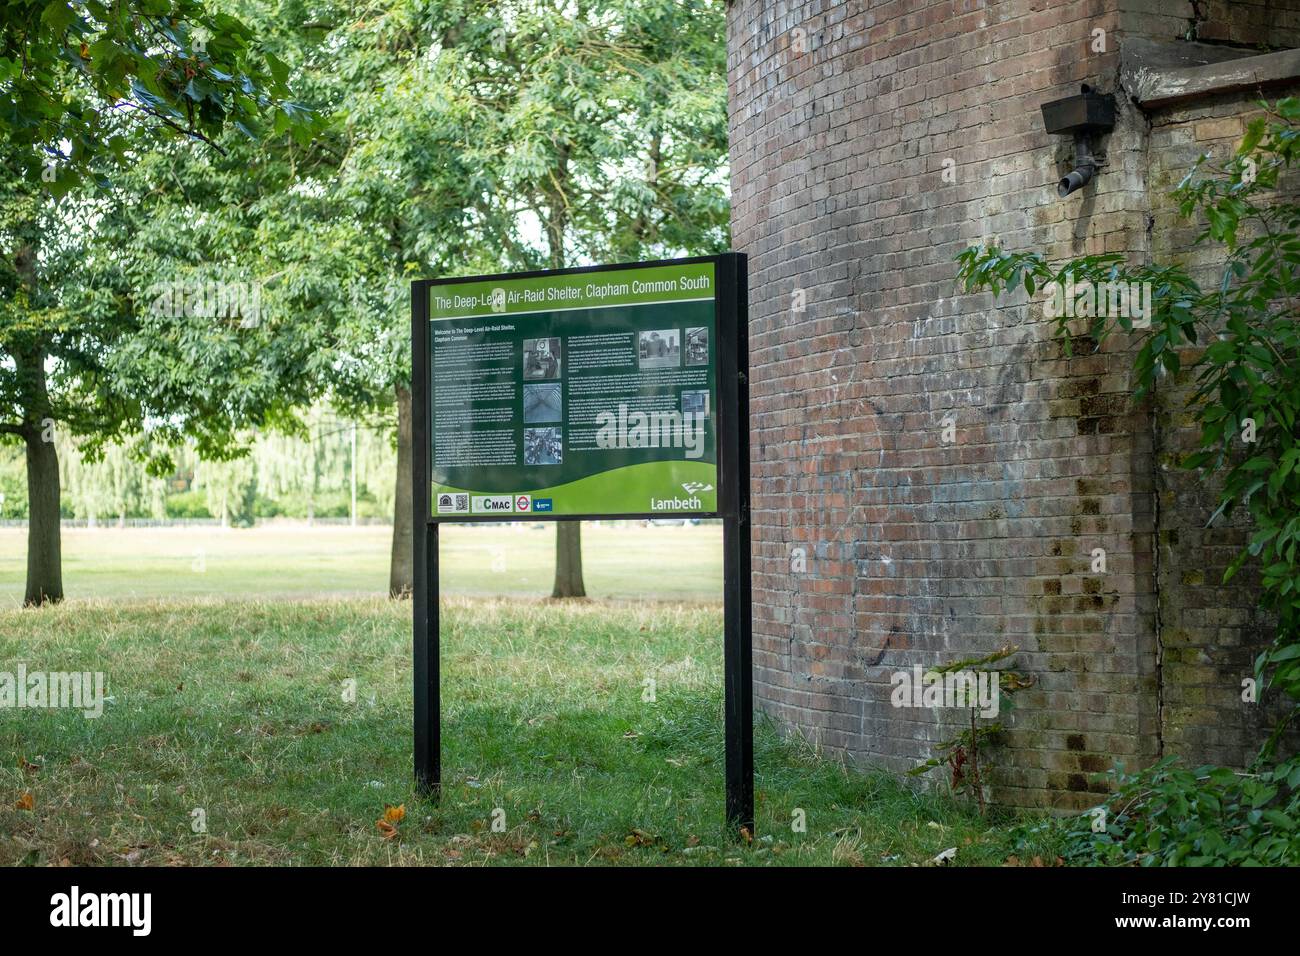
81	80
466	138
112	484
231	489
87	88
387	198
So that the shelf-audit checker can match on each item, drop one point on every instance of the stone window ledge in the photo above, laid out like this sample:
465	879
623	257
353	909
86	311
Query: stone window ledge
1161	74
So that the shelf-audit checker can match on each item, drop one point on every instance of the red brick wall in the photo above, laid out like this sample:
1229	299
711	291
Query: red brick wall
871	142
1210	633
1262	24
921	551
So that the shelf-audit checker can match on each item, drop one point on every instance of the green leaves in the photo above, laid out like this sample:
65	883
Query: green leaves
95	81
1168	815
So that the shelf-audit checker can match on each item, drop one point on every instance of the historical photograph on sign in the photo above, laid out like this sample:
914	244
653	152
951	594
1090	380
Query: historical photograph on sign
542	403
660	349
696	401
543	446
541	358
697	346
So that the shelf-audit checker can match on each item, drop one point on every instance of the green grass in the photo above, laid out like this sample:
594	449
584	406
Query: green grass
236	708
678	562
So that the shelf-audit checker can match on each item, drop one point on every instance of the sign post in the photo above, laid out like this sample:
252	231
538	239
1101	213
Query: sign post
605	392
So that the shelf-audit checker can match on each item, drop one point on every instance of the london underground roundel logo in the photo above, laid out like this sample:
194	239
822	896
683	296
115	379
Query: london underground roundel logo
522	502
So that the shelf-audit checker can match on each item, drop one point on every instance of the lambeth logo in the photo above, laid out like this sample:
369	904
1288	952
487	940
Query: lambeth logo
676	504
522	503
542	504
493	504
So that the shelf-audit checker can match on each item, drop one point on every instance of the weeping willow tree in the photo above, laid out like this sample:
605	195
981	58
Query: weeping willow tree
300	475
109	484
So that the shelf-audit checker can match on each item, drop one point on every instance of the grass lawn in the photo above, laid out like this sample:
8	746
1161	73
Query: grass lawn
678	562
237	709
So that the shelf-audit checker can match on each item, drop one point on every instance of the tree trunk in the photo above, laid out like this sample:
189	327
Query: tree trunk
568	534
568	560
44	546
401	574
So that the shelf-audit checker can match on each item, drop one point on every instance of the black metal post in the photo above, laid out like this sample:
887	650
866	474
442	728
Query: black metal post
424	542
428	711
733	323
738	667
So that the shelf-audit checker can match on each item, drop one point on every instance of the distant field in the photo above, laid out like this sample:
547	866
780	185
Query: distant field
677	562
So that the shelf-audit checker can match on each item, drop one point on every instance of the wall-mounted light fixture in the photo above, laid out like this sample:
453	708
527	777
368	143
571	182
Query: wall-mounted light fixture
1085	117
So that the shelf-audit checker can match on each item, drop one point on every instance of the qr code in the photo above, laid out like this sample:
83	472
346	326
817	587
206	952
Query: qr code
453	504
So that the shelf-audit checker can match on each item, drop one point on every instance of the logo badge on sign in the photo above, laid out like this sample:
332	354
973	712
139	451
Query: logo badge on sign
522	502
449	503
541	504
493	504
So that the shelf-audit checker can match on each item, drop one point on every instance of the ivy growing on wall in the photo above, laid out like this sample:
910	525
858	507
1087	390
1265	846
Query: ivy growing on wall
1242	334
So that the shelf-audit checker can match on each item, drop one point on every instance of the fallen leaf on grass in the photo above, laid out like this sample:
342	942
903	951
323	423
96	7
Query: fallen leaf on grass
387	824
26	802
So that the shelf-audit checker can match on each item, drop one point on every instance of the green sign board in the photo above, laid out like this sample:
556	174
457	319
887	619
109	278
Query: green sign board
580	393
609	391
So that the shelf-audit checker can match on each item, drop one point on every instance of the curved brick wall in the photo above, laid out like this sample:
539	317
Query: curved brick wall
920	551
